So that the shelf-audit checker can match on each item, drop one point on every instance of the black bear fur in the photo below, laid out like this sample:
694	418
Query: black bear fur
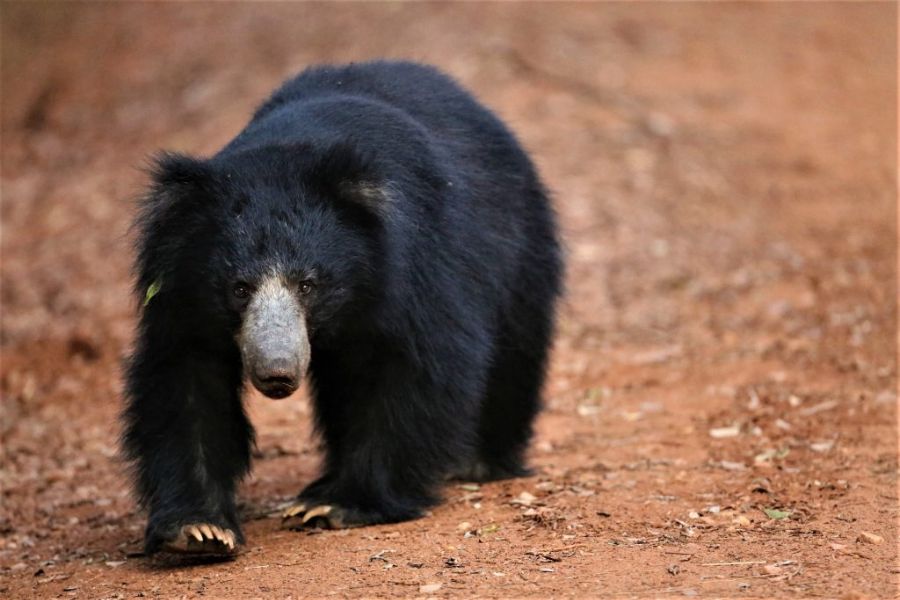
437	265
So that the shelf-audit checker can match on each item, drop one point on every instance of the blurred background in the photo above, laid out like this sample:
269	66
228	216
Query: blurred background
725	176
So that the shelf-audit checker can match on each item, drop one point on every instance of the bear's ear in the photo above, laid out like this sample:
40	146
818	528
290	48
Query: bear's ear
169	215
181	186
173	173
351	177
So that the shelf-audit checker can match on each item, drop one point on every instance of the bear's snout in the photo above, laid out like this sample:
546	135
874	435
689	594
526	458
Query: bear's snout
277	378
273	340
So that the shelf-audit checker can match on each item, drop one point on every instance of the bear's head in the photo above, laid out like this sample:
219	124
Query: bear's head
263	250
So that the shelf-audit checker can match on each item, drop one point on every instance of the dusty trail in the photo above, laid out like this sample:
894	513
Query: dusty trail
725	175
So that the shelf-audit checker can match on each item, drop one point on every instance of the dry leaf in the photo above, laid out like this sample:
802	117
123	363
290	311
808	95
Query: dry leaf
523	499
820	407
732	466
588	410
821	446
725	432
869	538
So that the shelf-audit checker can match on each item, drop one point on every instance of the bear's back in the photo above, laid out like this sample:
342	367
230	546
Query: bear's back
421	91
414	109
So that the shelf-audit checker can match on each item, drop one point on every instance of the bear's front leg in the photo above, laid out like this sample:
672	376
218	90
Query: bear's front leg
189	440
390	438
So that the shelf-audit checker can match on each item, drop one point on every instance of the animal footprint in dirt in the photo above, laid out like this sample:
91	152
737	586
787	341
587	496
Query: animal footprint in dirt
203	538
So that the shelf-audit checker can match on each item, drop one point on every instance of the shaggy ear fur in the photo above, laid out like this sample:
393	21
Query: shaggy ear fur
180	186
348	175
173	169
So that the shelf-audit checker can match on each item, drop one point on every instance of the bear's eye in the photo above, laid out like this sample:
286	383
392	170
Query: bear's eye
306	287
241	290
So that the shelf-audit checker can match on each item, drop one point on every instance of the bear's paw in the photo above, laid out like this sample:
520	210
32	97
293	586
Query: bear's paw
327	516
202	538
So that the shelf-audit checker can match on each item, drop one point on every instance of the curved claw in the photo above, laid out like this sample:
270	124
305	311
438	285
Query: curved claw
326	515
194	531
317	511
202	538
293	510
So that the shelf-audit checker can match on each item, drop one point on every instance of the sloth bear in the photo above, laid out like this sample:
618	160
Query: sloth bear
375	229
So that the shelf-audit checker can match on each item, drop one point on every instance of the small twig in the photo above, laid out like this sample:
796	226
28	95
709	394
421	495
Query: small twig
729	564
565	548
273	564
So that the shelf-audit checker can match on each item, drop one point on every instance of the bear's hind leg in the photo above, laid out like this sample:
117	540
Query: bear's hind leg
511	402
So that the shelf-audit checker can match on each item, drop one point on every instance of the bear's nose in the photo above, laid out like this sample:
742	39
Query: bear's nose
273	340
278	378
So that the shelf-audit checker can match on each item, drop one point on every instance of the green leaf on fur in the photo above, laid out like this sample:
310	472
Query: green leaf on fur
152	291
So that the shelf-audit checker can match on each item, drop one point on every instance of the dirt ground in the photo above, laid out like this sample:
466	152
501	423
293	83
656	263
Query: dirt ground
721	411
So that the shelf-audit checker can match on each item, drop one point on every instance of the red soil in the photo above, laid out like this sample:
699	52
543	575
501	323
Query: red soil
726	178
